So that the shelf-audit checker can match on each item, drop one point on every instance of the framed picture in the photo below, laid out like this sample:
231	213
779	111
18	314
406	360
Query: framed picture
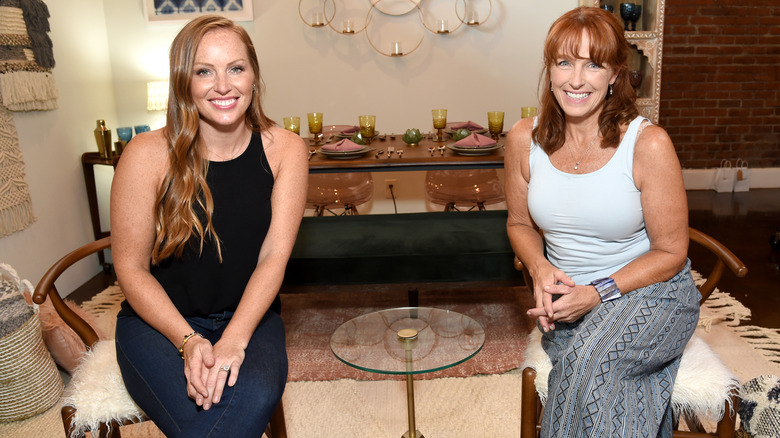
185	10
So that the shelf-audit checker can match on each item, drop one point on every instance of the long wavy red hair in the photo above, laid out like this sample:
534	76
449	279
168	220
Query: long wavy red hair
608	47
184	189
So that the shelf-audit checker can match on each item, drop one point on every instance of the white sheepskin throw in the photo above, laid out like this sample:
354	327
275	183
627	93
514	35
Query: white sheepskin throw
702	387
537	358
97	391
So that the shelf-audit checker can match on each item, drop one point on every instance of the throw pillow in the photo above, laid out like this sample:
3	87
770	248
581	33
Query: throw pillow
759	410
65	346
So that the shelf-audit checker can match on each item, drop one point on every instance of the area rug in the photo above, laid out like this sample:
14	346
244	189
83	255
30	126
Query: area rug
311	318
481	405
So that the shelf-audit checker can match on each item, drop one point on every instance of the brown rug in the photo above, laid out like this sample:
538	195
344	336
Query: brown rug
311	318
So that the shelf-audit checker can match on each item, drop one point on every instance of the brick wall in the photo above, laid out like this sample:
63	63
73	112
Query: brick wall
720	81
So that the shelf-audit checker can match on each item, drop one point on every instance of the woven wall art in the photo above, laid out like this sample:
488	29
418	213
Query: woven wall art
26	84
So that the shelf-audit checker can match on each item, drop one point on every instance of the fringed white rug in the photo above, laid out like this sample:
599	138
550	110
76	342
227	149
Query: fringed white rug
720	324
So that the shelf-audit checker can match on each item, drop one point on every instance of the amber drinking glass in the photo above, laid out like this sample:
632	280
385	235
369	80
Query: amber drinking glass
439	122
315	126
495	123
367	127
293	124
528	111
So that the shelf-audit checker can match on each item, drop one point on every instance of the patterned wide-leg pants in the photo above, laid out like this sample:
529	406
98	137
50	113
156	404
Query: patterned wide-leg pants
613	370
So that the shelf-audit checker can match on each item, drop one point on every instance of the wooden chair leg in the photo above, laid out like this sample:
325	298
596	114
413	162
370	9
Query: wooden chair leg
529	405
67	413
726	426
277	428
110	432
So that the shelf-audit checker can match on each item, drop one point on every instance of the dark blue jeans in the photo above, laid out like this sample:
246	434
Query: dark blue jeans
153	373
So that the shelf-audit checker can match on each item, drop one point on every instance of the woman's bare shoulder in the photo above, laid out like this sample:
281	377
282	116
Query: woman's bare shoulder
277	134
279	142
146	153
519	137
653	140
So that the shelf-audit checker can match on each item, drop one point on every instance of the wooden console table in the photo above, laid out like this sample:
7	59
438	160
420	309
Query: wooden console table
88	162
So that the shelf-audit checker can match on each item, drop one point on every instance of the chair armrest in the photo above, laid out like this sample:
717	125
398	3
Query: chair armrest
529	282
46	287
725	259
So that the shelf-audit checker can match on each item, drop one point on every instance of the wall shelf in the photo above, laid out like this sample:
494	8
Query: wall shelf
648	39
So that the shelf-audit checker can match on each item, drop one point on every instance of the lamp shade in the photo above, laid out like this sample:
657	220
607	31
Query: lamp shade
157	96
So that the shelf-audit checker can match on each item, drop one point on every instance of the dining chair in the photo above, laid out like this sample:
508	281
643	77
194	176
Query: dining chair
704	389
329	191
96	399
474	188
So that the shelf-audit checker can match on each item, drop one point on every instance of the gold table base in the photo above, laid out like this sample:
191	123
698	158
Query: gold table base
410	409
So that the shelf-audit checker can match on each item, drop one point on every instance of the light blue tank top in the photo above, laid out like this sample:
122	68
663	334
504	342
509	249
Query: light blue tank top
593	223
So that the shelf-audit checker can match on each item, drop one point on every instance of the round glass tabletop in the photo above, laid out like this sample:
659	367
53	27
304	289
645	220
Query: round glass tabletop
407	340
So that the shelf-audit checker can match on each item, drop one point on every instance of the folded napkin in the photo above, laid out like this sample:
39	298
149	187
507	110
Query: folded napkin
343	146
475	141
351	130
471	126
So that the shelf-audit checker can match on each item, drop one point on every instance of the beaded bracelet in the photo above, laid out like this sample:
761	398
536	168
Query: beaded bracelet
187	338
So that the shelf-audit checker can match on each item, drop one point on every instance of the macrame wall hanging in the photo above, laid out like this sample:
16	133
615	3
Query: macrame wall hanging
26	84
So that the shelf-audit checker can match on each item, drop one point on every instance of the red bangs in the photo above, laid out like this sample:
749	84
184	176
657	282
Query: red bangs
608	47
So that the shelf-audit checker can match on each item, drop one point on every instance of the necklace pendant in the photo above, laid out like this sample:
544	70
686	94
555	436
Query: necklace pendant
577	166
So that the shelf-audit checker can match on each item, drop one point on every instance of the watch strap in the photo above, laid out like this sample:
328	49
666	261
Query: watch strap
607	289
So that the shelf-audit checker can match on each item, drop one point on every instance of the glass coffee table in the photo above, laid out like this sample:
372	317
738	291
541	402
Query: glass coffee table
409	341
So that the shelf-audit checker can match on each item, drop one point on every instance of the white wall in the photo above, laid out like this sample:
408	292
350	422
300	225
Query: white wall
106	52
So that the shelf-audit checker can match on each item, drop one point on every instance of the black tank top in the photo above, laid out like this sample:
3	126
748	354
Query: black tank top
197	283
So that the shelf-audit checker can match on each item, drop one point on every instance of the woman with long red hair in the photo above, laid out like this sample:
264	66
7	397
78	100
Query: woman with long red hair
204	215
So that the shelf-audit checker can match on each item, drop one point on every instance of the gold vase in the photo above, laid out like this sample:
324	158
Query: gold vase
103	139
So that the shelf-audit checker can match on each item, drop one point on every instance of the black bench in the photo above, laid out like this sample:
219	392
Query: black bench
403	248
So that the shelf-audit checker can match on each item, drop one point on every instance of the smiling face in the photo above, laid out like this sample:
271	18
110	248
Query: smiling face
222	80
579	84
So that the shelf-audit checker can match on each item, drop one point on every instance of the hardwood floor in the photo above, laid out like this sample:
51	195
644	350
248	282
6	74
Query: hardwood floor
744	222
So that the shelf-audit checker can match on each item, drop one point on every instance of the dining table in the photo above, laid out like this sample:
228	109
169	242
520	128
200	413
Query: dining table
389	153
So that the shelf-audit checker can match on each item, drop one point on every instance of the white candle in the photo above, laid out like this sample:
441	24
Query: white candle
397	48
443	25
346	26
317	19
473	17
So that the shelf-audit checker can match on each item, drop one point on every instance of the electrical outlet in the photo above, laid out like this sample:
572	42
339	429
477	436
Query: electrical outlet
390	183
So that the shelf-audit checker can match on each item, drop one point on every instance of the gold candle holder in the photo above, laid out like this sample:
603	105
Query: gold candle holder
395	49
443	26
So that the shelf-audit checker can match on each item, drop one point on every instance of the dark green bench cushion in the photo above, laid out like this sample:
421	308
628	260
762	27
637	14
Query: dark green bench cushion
402	248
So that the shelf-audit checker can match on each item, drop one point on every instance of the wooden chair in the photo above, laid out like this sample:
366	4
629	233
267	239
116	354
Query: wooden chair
531	405
108	422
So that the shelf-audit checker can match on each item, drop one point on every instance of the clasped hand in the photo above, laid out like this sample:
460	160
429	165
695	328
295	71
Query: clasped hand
208	368
572	303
